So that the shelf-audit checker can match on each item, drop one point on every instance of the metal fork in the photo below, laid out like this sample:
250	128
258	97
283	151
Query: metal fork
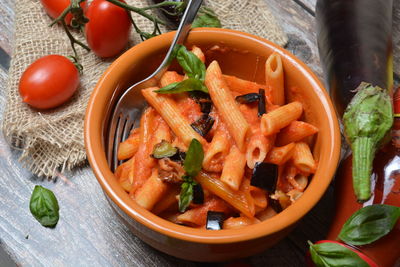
128	108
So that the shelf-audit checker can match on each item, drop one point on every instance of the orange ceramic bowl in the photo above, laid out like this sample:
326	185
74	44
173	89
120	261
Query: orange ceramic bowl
239	54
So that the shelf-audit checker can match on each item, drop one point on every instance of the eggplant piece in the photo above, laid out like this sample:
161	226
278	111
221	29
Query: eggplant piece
355	45
198	194
247	98
203	100
265	176
179	156
215	220
203	125
163	150
261	103
275	205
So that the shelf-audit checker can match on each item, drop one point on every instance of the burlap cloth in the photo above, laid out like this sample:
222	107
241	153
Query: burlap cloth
52	141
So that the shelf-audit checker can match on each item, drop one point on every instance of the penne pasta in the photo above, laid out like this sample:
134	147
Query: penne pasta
170	77
303	159
266	214
233	171
258	148
243	86
129	147
239	222
281	117
280	155
220	189
274	78
169	199
295	131
143	161
197	51
151	192
226	105
169	111
215	155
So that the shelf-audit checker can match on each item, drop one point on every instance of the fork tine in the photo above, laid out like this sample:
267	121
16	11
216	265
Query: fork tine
118	138
111	135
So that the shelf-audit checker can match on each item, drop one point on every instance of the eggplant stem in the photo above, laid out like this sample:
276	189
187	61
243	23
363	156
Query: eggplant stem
363	155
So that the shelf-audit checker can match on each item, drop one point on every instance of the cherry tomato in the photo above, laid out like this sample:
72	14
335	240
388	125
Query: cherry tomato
49	82
107	31
54	8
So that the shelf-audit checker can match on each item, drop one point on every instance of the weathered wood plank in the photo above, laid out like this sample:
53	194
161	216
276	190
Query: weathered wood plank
309	4
7	25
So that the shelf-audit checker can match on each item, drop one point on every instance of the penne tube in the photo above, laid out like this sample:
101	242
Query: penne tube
226	105
266	214
259	197
295	131
243	86
169	200
299	181
151	192
280	155
294	195
258	148
236	199
199	53
162	133
239	222
123	173
281	117
215	154
169	111
233	171
143	161
274	78
170	77
303	159
198	216
129	147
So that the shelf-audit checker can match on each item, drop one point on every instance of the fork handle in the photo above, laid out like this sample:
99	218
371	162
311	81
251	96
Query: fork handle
181	33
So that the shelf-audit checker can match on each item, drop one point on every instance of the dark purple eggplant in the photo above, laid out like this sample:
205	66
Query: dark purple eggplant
261	103
198	194
247	98
265	176
355	45
203	125
215	220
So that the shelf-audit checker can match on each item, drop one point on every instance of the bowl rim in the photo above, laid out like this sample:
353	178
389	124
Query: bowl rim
282	220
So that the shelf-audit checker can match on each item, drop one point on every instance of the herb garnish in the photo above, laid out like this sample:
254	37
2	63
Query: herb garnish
44	206
192	165
365	226
369	224
332	254
194	69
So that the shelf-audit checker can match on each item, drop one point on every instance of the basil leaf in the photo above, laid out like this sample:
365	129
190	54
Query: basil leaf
186	195
194	158
44	206
206	18
191	64
332	254
369	224
187	85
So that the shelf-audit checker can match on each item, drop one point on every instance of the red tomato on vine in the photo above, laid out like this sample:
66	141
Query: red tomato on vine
107	31
54	8
49	82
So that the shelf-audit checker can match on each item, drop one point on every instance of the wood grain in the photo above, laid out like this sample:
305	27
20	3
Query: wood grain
89	233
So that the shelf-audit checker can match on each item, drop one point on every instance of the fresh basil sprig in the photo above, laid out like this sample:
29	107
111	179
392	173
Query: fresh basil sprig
206	18
187	85
44	206
192	165
194	69
369	224
331	255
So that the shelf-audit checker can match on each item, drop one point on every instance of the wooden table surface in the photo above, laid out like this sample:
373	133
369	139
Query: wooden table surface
89	233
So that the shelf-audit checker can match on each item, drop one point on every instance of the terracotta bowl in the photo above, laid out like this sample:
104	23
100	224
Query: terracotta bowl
239	54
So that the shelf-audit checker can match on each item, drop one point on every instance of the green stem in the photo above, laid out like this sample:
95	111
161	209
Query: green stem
140	11
363	156
165	3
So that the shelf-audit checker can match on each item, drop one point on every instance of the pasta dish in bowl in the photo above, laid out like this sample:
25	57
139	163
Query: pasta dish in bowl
237	143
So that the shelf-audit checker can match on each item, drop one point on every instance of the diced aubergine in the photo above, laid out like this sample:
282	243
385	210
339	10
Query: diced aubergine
247	98
164	150
203	125
261	103
215	220
275	205
179	156
265	176
198	194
